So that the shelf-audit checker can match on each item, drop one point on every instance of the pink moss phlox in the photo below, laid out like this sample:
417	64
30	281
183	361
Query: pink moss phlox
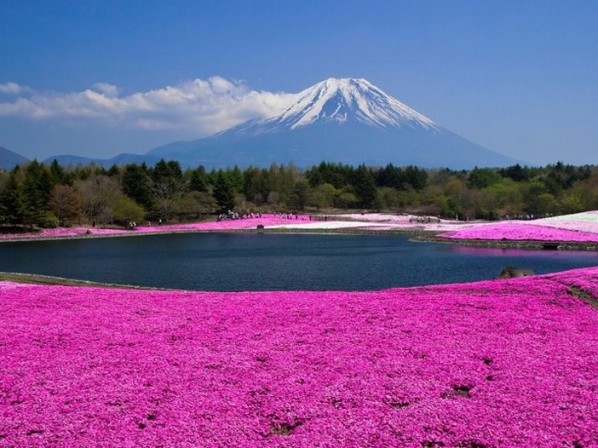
249	223
576	226
508	363
519	231
580	222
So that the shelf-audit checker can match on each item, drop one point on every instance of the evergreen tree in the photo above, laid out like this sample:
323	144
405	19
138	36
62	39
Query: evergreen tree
389	176
235	177
37	186
415	177
58	174
135	183
114	170
337	175
515	172
199	180
10	200
365	187
224	193
167	171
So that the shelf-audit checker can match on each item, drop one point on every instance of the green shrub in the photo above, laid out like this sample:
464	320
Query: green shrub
49	221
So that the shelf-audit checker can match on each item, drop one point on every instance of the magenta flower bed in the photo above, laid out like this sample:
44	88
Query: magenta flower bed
508	363
517	231
60	232
249	223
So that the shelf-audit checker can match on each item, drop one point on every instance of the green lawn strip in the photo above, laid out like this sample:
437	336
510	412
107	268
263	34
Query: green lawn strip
39	279
523	244
585	296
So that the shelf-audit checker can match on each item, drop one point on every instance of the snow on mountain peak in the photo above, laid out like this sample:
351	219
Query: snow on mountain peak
341	99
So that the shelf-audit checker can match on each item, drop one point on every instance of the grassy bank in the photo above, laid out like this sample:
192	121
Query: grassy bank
39	279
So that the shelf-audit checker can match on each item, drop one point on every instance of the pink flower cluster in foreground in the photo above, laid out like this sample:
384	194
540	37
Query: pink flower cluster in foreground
249	223
508	363
519	231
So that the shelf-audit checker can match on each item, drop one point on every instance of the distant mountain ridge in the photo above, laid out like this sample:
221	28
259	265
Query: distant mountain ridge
9	159
337	120
120	159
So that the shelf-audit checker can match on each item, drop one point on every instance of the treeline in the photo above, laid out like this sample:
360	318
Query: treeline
51	195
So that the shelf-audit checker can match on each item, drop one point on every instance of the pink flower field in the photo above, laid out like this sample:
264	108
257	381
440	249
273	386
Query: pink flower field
520	232
249	223
581	222
578	227
502	363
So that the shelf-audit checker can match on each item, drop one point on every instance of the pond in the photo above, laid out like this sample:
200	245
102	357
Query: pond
243	262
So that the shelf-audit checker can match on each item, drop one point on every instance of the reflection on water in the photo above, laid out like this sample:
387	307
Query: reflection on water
237	262
520	252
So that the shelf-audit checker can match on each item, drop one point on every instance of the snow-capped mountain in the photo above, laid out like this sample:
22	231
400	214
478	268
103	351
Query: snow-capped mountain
337	120
340	101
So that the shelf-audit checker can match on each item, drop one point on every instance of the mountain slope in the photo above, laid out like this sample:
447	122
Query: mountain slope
9	159
120	159
337	120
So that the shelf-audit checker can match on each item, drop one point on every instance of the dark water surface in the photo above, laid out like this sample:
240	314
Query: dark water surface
238	262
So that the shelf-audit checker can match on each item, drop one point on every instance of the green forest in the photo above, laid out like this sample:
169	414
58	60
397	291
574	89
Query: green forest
51	195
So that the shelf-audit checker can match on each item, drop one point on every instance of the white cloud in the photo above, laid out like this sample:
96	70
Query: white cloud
200	106
12	88
107	89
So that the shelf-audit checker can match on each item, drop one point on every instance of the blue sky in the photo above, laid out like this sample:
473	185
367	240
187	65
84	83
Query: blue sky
98	78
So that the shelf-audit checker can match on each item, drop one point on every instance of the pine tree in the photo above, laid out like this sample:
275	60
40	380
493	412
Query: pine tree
10	200
58	175
224	193
199	180
135	183
365	187
37	186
